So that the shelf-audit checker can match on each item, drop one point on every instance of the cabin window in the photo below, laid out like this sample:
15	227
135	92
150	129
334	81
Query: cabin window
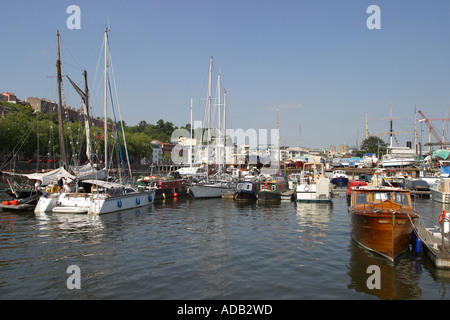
362	198
381	196
401	198
378	197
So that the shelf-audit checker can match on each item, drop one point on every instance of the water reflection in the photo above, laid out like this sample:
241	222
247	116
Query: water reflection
398	280
312	222
207	237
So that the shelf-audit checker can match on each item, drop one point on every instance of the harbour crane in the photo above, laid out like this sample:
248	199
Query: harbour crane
430	126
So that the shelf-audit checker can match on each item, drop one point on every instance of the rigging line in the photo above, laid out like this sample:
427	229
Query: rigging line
97	88
66	49
17	147
117	132
120	114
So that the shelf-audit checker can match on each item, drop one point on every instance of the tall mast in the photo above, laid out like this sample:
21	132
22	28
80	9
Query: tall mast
279	155
219	125
224	135
367	129
62	149
208	115
415	129
390	129
106	100
190	155
86	112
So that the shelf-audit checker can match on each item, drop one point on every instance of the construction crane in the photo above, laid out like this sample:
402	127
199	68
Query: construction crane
430	126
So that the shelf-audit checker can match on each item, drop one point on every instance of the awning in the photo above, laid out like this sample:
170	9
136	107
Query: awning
51	176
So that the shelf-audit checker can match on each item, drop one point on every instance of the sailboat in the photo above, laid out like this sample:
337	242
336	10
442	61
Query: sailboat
212	189
97	196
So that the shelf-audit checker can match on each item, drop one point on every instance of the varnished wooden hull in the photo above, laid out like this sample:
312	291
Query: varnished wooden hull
385	233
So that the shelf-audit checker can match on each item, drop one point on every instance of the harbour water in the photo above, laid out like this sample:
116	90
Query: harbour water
186	249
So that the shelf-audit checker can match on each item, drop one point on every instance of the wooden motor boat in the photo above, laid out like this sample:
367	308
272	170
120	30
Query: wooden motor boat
382	219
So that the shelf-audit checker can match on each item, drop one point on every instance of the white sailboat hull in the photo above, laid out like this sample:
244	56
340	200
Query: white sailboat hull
46	204
94	203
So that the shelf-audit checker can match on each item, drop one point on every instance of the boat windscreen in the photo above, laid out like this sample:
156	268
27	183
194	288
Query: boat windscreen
377	197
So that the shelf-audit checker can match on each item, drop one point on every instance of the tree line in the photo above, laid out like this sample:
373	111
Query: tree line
35	135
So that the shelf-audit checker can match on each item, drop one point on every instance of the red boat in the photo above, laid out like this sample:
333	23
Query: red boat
170	186
354	184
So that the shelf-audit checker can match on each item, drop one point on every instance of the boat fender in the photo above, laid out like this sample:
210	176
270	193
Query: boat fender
119	203
138	200
150	198
412	239
418	245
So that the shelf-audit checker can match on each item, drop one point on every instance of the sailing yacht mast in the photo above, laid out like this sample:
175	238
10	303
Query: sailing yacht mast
224	135
85	98
190	154
279	155
106	100
219	129
62	149
208	116
86	121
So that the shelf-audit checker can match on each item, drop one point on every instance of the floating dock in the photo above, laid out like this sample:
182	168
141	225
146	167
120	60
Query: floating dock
432	245
228	195
288	194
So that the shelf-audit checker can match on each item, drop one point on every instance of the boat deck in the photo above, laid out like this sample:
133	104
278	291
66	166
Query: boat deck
433	247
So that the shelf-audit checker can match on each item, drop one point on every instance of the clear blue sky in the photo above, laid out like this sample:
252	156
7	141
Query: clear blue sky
316	61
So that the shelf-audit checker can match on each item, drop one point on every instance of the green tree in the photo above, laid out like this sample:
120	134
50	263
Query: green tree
374	145
139	145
